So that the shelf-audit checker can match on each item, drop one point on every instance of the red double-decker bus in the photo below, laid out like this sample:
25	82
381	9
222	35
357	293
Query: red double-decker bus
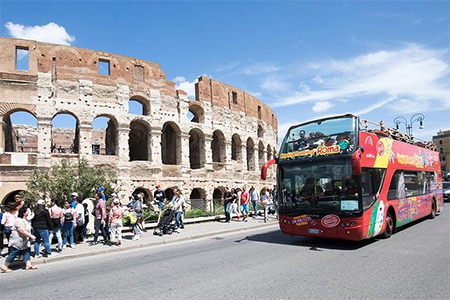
337	178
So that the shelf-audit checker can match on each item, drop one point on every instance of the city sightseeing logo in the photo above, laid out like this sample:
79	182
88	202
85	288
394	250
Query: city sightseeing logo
321	150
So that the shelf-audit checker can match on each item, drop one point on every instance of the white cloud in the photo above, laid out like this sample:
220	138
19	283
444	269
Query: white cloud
412	72
322	106
260	68
181	83
274	84
50	33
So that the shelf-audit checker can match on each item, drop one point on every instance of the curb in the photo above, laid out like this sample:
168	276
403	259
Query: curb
111	249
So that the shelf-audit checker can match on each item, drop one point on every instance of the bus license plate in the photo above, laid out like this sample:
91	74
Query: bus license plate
313	231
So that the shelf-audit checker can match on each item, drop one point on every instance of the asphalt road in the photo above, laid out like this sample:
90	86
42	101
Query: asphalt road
255	264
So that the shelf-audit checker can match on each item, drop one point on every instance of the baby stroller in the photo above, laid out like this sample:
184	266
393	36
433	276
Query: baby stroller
165	222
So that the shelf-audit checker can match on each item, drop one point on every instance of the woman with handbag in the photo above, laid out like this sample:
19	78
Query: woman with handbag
19	240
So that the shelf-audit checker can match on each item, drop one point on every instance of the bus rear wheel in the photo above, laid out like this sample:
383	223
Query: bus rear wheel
432	215
389	226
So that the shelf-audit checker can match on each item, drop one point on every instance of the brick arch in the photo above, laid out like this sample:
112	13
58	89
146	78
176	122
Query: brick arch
109	139
138	142
196	108
8	108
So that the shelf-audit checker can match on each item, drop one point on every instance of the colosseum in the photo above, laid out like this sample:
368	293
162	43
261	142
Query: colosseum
220	139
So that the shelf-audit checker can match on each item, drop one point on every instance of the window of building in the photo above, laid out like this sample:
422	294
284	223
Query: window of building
259	111
440	142
234	97
103	67
22	58
139	73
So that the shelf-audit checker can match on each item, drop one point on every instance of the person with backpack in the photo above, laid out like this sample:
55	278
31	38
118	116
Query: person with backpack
69	217
135	206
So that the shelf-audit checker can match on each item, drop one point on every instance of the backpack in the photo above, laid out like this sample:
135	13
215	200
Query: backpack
68	216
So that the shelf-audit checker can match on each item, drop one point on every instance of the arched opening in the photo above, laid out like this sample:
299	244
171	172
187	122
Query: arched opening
138	141
196	114
260	131
260	154
218	147
170	145
236	148
269	153
217	194
138	106
145	193
20	132
250	155
65	133
169	193
196	149
198	199
104	136
10	196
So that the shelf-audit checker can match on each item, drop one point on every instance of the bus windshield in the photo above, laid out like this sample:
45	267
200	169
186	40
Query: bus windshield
311	187
320	138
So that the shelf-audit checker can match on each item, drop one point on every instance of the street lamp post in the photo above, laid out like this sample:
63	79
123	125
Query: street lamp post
415	118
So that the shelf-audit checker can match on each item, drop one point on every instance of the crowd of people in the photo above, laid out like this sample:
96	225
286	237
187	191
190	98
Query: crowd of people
26	227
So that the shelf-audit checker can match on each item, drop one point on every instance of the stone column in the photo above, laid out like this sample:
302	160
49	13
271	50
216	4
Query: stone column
155	145
2	134
208	152
184	139
244	157
44	125
123	148
85	138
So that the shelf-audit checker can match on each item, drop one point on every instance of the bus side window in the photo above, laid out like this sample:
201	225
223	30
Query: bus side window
370	183
393	187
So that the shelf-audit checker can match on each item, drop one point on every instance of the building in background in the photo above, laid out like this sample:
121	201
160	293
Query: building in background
442	142
220	139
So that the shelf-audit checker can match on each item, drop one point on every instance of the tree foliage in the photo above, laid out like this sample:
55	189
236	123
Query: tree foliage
64	178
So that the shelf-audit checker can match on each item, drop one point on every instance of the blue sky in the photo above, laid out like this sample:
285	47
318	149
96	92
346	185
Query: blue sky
305	59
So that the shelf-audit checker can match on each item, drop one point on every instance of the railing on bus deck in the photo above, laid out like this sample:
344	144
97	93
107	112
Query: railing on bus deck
395	134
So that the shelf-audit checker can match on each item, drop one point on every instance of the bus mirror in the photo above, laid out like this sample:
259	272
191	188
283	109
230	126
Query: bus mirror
356	162
264	168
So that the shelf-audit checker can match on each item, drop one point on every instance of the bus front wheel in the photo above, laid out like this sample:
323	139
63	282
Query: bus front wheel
389	226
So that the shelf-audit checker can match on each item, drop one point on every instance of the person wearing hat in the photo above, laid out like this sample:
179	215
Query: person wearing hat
41	224
74	197
101	190
115	222
79	228
159	196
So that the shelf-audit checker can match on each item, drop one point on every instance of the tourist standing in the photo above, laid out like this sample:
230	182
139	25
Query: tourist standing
69	221
179	206
227	200
55	217
100	216
41	224
234	204
115	222
79	228
245	198
254	197
159	196
135	207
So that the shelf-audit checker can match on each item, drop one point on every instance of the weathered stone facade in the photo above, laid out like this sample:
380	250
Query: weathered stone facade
224	142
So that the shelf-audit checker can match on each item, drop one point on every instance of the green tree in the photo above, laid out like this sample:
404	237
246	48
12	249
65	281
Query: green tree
64	178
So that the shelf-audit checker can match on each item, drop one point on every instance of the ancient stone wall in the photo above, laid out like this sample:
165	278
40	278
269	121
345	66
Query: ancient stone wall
219	139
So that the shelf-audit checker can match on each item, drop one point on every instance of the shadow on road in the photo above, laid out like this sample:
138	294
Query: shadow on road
314	244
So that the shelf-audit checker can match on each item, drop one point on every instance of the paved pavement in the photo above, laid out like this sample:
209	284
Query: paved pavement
194	229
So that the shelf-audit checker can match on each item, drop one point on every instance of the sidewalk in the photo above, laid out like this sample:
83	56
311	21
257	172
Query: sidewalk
194	229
